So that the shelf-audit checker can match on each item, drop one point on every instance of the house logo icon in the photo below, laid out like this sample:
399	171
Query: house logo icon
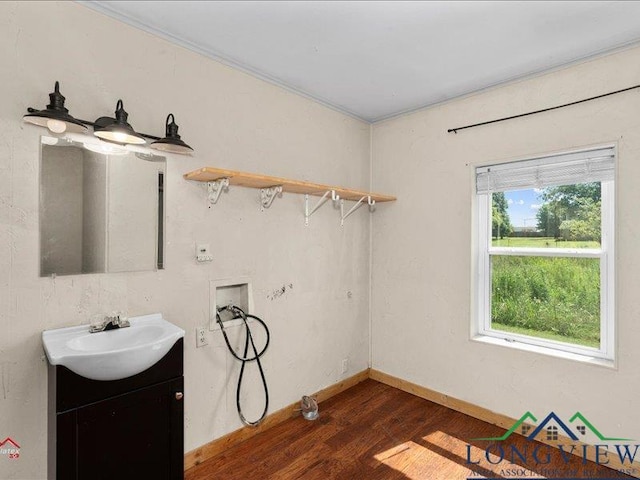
552	428
553	434
10	448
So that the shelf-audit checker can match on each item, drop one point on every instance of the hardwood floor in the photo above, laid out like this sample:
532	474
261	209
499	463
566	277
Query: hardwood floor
373	431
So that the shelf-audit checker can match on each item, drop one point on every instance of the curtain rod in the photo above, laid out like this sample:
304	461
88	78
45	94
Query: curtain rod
455	130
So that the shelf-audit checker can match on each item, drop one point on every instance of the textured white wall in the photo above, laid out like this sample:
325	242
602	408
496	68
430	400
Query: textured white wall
233	121
422	249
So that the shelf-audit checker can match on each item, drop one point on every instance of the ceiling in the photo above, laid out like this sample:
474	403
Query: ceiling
374	60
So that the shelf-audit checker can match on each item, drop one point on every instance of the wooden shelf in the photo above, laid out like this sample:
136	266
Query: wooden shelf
253	180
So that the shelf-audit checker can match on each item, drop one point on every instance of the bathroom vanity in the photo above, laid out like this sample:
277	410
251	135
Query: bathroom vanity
126	428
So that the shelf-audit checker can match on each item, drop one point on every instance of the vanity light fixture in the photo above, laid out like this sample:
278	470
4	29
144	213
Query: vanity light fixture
55	117
117	129
114	130
172	142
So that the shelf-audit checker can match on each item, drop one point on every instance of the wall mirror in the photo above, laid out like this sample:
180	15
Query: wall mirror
101	208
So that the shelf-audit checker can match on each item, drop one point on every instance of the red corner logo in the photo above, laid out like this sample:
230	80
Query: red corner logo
9	440
10	448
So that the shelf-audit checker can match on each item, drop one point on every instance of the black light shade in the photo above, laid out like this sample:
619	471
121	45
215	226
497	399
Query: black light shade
55	117
117	129
171	142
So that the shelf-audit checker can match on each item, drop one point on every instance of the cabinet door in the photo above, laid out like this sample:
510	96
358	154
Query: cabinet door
134	436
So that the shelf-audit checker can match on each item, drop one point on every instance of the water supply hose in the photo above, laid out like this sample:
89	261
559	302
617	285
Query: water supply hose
237	312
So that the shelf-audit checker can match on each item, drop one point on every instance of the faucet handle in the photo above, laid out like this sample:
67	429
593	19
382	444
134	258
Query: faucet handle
120	319
97	323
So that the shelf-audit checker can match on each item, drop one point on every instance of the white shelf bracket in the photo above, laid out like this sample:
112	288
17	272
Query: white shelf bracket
307	213
371	202
268	195
215	188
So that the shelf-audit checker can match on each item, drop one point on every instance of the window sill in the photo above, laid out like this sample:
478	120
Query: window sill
576	357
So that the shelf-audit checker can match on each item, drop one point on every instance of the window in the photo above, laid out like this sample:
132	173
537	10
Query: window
545	252
552	433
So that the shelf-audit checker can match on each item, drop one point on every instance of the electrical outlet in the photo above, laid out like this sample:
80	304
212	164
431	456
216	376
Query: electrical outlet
201	337
345	365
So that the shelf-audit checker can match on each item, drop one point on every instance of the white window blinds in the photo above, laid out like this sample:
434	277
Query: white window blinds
578	167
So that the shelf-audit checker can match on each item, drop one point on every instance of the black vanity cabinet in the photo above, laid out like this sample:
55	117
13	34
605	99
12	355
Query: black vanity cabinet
121	429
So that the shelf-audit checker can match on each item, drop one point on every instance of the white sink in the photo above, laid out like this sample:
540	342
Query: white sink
112	354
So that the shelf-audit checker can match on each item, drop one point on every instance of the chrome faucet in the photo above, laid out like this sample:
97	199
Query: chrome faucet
110	323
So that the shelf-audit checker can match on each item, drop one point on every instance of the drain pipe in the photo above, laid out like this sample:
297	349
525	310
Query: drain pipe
309	408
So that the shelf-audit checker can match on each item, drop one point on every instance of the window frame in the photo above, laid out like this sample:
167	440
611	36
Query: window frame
606	254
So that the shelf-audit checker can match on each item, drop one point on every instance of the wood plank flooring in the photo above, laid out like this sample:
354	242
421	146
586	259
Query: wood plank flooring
373	431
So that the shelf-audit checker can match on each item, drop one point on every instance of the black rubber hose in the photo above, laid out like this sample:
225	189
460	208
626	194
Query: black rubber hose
244	359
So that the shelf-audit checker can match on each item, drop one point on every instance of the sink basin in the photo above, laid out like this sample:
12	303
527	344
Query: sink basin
112	354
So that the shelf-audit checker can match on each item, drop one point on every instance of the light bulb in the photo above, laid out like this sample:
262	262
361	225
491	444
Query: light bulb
120	137
56	126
